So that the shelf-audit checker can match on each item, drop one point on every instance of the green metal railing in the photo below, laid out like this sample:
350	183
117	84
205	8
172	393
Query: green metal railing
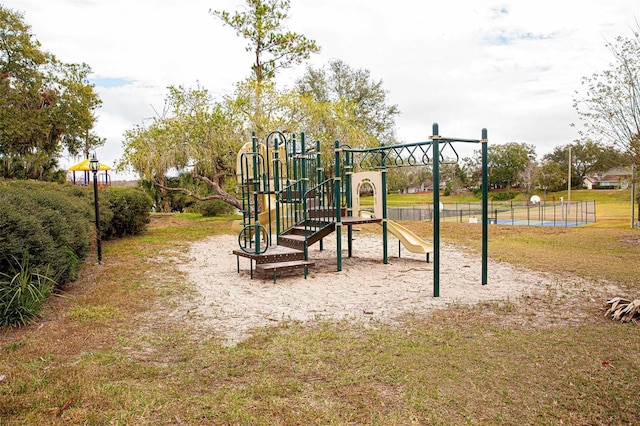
290	210
252	169
404	155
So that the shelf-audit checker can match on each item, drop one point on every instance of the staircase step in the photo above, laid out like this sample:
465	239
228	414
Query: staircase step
319	224
292	241
273	254
303	230
284	266
292	237
325	212
274	268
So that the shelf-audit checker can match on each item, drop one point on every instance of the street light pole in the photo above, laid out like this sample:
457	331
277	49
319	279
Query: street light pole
94	165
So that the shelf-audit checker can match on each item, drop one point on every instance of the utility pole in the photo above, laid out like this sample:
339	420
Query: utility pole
569	184
569	178
633	195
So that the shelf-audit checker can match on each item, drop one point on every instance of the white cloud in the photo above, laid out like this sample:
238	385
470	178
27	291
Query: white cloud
510	66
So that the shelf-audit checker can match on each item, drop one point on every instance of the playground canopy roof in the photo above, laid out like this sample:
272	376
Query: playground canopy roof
84	166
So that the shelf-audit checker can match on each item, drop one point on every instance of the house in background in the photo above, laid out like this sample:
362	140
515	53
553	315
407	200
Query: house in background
616	178
421	187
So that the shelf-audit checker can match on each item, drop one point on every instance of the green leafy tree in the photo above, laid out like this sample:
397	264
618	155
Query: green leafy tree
46	106
273	47
550	177
586	158
506	163
609	106
195	135
397	179
340	85
202	137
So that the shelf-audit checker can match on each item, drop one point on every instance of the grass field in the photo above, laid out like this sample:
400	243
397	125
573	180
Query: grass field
109	352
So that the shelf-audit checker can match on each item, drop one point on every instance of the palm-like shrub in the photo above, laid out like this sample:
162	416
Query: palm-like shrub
23	290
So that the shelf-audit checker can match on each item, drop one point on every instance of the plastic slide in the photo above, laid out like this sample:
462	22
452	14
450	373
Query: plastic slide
263	217
408	238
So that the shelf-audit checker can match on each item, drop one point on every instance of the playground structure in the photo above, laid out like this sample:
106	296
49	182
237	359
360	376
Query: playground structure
104	179
288	204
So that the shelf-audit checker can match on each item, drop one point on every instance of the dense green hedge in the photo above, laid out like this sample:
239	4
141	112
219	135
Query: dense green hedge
503	196
46	229
49	222
128	211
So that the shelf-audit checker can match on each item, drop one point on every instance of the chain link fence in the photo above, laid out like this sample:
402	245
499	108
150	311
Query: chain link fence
572	213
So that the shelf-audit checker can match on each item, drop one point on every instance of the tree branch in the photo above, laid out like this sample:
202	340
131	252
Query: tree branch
221	194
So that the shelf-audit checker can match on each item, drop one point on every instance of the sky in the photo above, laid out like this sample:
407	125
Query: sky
512	67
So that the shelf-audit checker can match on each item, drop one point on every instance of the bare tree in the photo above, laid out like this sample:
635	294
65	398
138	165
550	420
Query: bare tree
610	103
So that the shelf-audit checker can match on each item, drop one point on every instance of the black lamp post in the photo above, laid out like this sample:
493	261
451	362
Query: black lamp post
94	165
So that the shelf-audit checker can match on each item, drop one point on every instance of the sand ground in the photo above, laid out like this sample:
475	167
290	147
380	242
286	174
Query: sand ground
232	303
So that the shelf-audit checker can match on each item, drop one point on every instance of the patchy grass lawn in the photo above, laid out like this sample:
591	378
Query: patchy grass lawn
110	351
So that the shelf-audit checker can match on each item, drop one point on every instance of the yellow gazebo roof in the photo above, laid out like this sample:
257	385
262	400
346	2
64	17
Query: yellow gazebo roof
84	166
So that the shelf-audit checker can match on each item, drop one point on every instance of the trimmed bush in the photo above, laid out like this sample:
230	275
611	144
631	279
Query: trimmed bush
54	223
129	210
51	223
46	229
212	208
503	196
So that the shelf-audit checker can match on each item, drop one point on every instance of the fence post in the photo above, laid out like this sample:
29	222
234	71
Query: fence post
541	213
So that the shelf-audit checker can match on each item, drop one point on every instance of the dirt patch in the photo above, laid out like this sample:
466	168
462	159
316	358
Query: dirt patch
635	241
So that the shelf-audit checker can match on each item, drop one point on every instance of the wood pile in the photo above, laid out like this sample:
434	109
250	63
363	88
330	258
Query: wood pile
623	310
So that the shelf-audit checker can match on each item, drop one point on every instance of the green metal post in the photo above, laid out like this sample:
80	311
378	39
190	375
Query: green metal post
436	210
485	208
336	203
256	187
348	172
256	235
318	164
295	160
276	184
303	192
385	227
319	198
276	188
296	178
303	165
